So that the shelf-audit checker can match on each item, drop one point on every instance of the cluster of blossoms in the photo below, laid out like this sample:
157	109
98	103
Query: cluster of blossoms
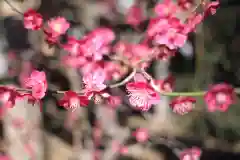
164	35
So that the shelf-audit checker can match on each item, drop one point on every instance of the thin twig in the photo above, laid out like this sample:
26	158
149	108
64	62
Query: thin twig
12	7
127	79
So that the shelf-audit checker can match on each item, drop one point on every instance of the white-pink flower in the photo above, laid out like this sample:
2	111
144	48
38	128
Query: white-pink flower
37	81
95	81
58	26
141	94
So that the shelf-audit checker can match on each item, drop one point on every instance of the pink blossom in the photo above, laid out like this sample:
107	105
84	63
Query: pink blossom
72	46
192	22
182	105
157	25
72	100
185	4
219	97
95	81
37	81
58	26
133	52
39	90
135	15
32	20
74	61
167	31
211	8
139	78
96	44
172	38
142	95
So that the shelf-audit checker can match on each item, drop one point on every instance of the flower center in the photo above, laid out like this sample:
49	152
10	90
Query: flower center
74	103
57	27
138	100
221	97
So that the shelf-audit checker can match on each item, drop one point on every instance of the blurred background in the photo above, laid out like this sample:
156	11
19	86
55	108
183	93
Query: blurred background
211	55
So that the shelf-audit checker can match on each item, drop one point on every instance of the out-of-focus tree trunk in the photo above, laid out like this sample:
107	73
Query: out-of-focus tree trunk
77	149
162	117
23	132
108	120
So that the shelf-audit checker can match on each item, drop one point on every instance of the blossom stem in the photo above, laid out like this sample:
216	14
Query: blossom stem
173	94
193	94
170	94
127	79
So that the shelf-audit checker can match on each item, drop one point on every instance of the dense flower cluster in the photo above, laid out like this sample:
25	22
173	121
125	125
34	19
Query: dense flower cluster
165	33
